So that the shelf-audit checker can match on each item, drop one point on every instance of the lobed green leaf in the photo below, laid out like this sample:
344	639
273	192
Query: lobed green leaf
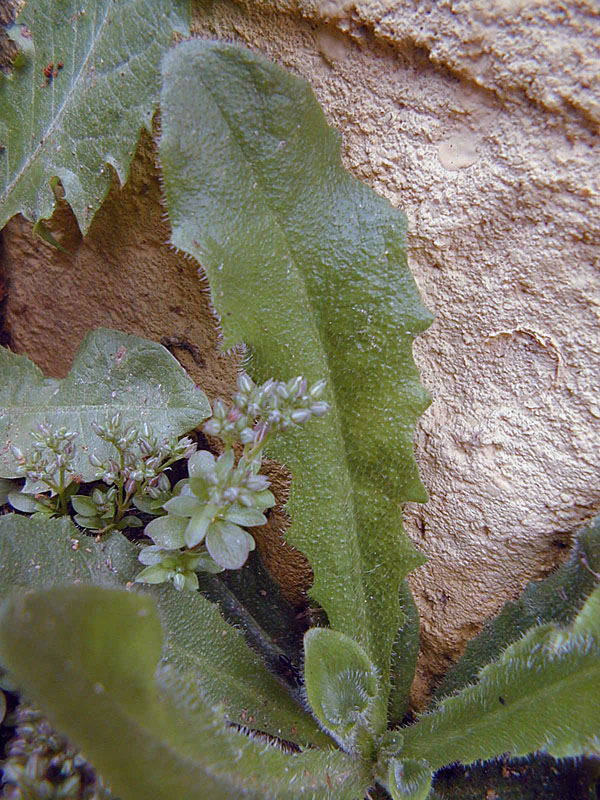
307	267
88	657
543	694
557	598
85	84
112	372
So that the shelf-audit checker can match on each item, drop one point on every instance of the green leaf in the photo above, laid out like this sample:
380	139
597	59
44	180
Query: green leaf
341	686
35	554
21	501
182	506
228	672
88	657
308	268
404	657
84	505
557	598
6	487
409	780
196	528
252	601
76	102
543	694
167	532
112	371
228	544
244	516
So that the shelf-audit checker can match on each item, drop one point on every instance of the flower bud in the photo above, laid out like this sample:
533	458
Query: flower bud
130	486
246	436
294	385
145	446
230	495
17	453
219	410
300	415
233	414
317	389
115	420
178	579
212	427
256	483
244	382
266	390
319	409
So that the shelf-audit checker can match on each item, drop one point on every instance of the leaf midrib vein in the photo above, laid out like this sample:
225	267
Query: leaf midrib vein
49	131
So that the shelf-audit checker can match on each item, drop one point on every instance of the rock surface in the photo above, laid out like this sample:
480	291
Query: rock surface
481	119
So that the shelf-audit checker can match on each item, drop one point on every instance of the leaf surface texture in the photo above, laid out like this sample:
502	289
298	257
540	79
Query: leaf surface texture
84	85
88	657
308	268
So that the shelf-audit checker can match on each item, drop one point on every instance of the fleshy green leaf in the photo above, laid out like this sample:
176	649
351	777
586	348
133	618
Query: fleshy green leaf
199	463
35	554
24	502
557	598
167	532
341	685
88	657
111	372
543	694
197	527
308	268
241	515
6	487
86	84
228	544
182	506
84	505
409	780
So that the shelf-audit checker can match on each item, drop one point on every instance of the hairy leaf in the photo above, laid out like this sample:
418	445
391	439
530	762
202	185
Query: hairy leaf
88	657
341	686
229	674
542	694
308	267
111	372
86	82
409	780
36	553
404	657
557	598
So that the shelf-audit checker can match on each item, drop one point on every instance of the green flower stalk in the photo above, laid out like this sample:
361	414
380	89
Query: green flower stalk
207	516
135	476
